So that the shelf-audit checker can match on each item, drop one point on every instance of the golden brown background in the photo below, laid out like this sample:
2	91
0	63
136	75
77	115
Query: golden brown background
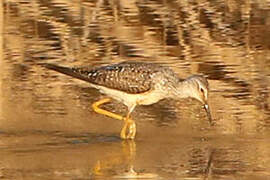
49	131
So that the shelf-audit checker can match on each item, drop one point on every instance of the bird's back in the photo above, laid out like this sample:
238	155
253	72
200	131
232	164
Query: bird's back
129	76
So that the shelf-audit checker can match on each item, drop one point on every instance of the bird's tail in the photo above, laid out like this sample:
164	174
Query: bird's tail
74	72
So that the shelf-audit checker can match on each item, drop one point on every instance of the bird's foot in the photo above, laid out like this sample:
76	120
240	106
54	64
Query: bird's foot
129	130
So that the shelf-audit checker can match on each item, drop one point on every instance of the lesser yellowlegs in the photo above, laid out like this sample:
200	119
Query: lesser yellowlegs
137	83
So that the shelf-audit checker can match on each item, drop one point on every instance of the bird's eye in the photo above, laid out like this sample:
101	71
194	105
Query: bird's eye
201	89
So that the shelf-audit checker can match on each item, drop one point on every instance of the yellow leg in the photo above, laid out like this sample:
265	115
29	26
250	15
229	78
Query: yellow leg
96	108
129	129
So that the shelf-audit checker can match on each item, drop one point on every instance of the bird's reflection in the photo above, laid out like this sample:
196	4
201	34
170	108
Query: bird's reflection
129	153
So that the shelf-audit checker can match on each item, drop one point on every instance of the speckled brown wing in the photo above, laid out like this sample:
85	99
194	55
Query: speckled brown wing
130	77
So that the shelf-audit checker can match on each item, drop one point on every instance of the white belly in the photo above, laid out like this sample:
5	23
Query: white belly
129	100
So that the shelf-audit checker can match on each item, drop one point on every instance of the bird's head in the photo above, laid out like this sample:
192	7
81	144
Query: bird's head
199	89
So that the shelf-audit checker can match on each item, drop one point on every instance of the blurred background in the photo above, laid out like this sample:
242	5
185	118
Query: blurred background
49	131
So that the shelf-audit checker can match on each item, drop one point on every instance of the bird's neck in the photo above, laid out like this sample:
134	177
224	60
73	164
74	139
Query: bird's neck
182	89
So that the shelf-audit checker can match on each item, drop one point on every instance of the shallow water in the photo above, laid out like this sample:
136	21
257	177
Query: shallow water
49	131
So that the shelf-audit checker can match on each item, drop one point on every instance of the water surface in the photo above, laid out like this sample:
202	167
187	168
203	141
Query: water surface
49	131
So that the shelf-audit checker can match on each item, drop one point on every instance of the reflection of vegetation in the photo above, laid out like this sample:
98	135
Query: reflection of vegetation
1	54
113	28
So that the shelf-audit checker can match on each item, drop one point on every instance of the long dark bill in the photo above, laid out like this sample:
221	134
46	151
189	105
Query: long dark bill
207	109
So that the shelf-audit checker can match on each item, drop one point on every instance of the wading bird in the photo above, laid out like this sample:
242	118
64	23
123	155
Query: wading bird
137	83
